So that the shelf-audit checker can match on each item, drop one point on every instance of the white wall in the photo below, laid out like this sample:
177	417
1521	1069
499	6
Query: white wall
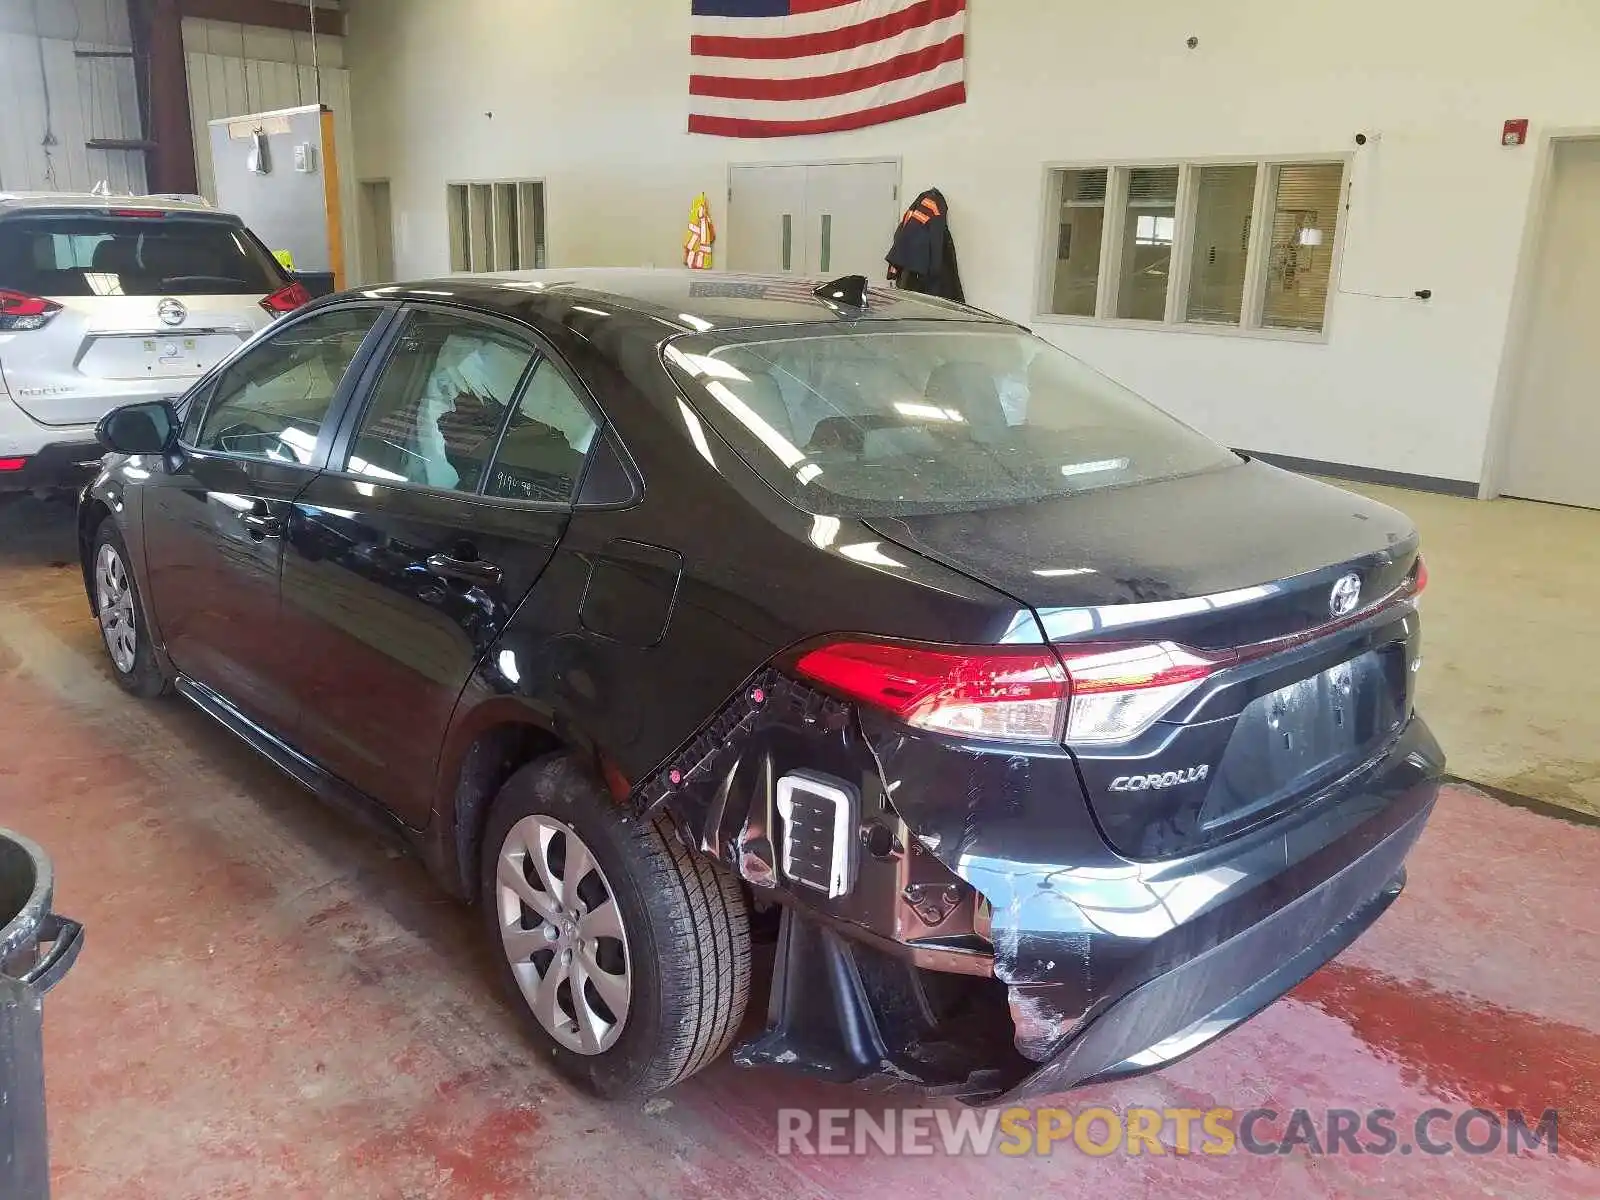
591	96
87	97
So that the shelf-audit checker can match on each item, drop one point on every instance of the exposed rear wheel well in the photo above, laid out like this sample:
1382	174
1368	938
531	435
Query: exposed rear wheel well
493	758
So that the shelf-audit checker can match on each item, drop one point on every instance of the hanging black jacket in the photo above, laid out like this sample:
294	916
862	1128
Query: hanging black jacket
923	256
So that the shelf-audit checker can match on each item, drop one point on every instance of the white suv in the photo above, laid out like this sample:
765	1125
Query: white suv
110	299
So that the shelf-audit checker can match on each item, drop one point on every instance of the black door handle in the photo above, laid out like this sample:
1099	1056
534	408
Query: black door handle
468	570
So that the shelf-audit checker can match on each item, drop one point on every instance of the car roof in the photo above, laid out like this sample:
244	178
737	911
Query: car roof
33	202
687	301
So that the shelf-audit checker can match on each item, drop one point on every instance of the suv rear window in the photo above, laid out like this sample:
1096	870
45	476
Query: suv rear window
100	255
904	421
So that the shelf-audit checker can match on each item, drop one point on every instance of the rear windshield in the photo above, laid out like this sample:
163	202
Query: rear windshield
902	422
98	255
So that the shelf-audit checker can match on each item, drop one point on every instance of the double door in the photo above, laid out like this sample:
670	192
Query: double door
813	219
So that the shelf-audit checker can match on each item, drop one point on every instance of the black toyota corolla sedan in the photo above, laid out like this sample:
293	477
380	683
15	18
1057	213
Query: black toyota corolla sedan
1047	739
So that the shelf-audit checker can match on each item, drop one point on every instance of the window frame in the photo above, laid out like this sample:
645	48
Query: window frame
205	388
476	218
1174	320
372	372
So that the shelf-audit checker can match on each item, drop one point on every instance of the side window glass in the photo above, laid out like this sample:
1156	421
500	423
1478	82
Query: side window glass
439	404
541	456
272	402
194	408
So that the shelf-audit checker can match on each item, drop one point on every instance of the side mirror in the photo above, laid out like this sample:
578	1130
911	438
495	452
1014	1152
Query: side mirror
147	428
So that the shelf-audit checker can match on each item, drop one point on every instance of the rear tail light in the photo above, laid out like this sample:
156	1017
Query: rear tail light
984	692
1418	582
1120	691
287	299
1102	694
20	311
12	464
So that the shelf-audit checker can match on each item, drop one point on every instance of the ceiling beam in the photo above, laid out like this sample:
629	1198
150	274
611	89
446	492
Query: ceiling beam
274	14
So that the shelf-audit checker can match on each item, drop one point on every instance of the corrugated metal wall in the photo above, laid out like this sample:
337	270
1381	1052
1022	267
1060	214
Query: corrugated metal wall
235	70
49	93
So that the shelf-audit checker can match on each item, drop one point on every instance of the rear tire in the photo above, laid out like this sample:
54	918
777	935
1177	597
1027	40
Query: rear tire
656	938
119	609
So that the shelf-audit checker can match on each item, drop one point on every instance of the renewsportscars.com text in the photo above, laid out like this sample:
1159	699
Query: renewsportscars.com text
1100	1131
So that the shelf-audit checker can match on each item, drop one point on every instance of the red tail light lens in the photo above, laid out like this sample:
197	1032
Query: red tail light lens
12	464
1104	693
1419	576
986	692
287	299
20	311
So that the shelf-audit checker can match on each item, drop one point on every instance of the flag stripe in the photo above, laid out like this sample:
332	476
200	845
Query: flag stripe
832	41
826	64
832	106
901	66
820	21
925	102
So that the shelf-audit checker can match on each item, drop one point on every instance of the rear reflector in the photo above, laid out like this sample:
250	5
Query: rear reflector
20	311
12	464
1103	694
287	299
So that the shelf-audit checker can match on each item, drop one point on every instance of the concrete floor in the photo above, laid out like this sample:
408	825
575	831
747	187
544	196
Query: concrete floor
1511	647
269	1004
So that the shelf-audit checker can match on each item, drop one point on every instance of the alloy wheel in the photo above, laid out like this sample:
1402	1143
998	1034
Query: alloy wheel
562	933
114	600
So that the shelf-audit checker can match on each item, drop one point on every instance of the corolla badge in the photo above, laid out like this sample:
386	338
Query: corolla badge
1346	595
171	312
1160	780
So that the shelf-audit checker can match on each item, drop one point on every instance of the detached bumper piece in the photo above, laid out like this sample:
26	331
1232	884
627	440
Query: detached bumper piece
844	1012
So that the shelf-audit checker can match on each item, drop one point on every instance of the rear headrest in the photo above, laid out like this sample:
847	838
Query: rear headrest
765	399
970	389
115	256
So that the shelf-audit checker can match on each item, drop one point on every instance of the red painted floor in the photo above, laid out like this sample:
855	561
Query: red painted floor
269	1004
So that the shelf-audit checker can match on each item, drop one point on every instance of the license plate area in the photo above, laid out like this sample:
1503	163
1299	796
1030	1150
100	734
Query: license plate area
1295	738
155	356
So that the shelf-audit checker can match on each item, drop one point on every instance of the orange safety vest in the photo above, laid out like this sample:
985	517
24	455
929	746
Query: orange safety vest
702	234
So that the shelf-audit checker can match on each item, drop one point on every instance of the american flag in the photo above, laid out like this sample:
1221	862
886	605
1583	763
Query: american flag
777	68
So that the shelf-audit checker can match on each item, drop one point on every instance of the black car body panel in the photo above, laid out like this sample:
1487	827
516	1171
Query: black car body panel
653	624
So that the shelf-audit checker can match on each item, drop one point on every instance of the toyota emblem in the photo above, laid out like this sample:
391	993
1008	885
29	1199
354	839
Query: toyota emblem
1346	595
171	312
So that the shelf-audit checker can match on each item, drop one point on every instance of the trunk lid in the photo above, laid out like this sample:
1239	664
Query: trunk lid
1243	563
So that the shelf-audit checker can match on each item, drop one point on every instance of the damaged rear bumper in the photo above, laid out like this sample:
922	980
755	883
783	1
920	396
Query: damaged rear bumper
992	945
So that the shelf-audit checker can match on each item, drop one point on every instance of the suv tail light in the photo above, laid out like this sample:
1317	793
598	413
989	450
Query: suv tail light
287	299
20	311
1102	694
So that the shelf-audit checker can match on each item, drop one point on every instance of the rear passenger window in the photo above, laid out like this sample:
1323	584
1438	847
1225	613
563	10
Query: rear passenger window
542	455
272	402
440	403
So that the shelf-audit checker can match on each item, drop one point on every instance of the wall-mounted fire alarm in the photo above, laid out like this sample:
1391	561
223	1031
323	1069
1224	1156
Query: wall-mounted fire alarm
1514	132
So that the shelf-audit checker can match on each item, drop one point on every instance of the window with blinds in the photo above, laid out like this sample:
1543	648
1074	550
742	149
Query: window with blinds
1149	225
1305	209
1240	245
1080	228
496	226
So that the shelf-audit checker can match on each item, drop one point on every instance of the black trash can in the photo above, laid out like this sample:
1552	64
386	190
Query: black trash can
36	949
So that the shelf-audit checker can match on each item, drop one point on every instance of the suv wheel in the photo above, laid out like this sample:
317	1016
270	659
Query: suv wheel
121	615
628	955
